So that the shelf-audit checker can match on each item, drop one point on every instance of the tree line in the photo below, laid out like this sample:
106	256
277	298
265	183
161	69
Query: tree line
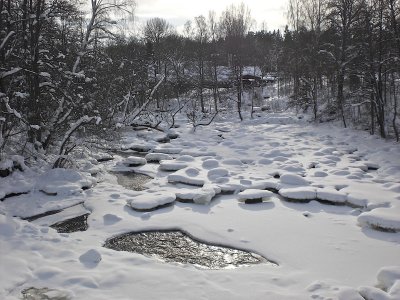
69	75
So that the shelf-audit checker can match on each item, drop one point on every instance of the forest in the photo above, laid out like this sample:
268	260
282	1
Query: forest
71	73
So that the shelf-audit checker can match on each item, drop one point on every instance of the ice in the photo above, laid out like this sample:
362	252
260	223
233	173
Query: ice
150	201
250	194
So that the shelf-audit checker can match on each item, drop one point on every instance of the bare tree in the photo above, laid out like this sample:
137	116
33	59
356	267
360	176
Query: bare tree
235	22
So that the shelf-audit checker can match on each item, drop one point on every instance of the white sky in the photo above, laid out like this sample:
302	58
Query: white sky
177	12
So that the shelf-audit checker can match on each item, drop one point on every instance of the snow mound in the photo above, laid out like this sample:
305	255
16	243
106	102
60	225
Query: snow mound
293	179
134	161
167	150
382	218
214	174
64	182
102	156
185	158
232	162
8	226
251	194
331	195
138	147
265	185
231	186
171	165
210	164
156	157
299	193
110	219
320	174
151	201
265	161
15	183
190	176
90	258
199	196
199	153
388	286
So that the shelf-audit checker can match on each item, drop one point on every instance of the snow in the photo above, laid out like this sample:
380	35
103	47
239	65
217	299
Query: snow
133	161
189	176
384	218
156	157
293	179
332	195
324	251
63	182
254	194
90	258
151	200
199	196
299	193
171	165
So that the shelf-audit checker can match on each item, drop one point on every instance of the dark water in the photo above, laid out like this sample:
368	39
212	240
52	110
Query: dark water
177	246
131	180
72	225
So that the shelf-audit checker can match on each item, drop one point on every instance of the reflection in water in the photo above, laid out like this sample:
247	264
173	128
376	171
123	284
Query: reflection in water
177	246
72	225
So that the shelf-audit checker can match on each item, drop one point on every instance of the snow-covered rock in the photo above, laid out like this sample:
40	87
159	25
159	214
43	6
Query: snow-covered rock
150	201
382	218
299	193
293	179
172	165
64	182
156	157
252	194
189	176
167	150
331	195
214	174
134	161
199	196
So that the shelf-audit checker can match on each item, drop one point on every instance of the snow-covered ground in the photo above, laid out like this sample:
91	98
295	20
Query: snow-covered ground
338	190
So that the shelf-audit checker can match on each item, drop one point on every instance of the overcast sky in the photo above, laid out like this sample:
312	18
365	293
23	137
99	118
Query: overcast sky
177	12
